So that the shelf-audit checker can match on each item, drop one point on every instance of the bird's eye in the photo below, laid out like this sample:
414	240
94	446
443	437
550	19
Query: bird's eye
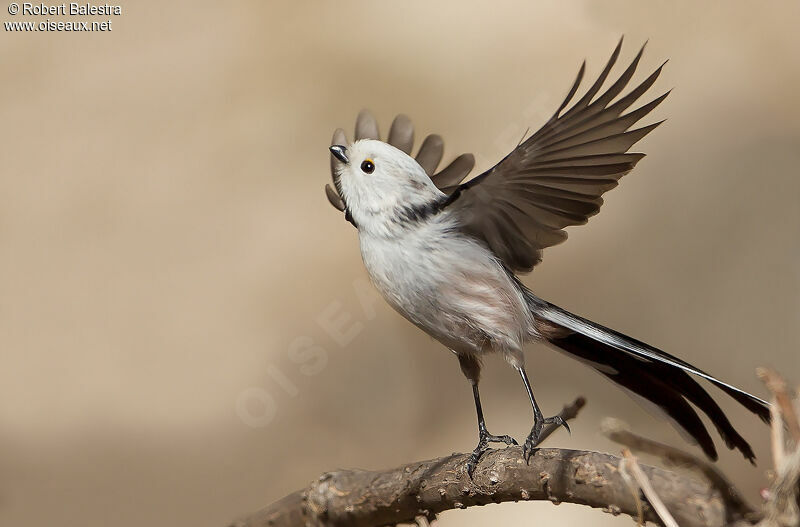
368	167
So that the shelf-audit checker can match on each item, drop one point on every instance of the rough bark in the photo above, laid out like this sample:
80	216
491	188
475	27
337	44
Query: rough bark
426	488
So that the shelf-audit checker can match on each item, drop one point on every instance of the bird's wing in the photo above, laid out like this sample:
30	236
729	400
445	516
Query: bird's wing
401	136
555	178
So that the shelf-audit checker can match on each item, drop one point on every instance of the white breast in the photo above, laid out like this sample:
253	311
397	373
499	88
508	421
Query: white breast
449	285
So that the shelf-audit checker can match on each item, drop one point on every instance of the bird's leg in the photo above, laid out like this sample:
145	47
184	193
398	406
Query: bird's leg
538	420
471	366
484	437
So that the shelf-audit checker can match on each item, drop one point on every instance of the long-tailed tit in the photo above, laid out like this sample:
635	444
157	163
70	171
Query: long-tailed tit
444	253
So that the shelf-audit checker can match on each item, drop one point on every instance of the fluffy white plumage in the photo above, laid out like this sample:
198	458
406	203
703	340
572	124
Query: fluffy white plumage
446	283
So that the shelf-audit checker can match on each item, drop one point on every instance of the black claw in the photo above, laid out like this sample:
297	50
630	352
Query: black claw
527	452
533	438
559	421
501	439
473	462
483	445
528	447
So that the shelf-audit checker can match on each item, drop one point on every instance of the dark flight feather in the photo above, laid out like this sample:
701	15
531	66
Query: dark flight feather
557	175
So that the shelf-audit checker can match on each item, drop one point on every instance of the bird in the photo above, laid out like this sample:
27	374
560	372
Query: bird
446	252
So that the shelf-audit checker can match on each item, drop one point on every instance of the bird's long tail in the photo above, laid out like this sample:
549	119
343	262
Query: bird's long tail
659	377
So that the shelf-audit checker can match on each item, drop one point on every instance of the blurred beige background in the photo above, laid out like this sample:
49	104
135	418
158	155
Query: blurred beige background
168	253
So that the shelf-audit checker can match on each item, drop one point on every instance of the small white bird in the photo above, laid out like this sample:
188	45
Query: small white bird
444	254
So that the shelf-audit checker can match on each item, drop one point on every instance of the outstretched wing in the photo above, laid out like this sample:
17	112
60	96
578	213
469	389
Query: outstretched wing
555	178
401	136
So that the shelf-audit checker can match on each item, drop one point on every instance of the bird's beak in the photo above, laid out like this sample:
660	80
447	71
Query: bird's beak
340	153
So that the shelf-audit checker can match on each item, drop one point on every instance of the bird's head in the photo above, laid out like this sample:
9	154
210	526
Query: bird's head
378	181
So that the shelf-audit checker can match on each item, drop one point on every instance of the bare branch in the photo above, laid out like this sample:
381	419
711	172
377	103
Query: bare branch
648	490
735	505
634	488
777	386
777	438
365	498
782	509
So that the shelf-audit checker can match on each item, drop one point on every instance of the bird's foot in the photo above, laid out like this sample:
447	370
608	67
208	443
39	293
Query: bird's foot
533	439
483	445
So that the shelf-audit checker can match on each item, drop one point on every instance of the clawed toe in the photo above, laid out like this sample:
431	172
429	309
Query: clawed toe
558	421
475	457
501	439
534	438
527	448
483	446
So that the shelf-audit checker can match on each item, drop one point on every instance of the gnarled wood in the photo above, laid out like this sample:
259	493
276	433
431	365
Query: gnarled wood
426	488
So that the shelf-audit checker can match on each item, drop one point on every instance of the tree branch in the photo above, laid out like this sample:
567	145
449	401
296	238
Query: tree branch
419	491
426	488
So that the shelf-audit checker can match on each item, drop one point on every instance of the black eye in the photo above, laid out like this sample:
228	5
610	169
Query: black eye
368	167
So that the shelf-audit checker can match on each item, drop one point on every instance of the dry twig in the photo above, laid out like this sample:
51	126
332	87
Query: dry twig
735	506
782	509
777	385
634	488
648	490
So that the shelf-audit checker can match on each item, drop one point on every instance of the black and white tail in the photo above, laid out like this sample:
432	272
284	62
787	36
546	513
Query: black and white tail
659	377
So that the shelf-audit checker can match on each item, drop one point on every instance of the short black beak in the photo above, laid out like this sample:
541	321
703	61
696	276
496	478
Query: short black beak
340	153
